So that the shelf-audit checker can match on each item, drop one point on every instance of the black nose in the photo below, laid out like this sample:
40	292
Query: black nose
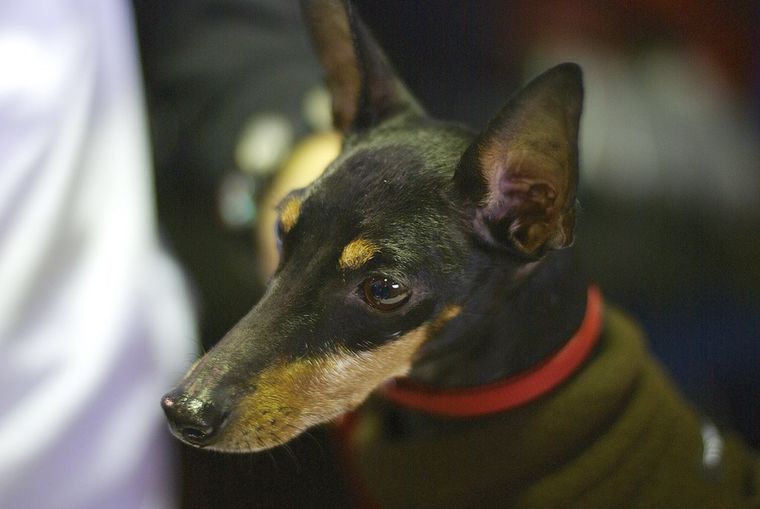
193	420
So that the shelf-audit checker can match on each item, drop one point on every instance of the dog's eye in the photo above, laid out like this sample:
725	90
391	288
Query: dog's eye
279	232
384	293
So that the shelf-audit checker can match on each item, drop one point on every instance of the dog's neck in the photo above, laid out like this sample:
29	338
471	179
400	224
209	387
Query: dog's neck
509	323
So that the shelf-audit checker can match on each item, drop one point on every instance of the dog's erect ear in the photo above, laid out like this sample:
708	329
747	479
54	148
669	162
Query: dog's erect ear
364	88
520	174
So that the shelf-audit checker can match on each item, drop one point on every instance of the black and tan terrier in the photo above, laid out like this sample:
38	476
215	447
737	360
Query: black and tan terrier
427	265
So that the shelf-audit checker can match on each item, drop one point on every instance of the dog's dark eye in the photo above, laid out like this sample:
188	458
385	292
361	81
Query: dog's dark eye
384	293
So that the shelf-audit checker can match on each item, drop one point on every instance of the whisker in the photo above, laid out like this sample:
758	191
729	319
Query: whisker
274	460
307	433
293	455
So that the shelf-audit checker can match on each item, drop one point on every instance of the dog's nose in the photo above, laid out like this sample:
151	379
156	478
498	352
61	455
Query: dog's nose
193	420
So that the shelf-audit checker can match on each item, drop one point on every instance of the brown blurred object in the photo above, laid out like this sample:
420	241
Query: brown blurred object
722	31
307	161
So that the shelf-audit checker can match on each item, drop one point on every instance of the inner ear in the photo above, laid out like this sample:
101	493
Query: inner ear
363	86
521	173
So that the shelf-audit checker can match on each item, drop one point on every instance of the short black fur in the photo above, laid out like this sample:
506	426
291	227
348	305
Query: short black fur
425	193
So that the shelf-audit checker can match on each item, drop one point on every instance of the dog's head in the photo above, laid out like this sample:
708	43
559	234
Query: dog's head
381	252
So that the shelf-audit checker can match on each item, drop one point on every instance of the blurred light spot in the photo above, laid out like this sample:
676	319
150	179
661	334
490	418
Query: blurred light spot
712	446
263	144
237	207
317	109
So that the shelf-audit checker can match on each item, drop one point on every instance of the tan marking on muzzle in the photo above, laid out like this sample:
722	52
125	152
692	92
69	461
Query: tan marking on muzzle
357	253
290	397
290	213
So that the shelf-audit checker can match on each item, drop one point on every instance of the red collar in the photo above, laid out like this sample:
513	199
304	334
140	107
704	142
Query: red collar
511	392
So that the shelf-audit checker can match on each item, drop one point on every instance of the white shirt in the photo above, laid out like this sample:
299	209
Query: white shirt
95	323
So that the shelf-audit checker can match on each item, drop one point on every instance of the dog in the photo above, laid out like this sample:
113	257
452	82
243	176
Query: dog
427	287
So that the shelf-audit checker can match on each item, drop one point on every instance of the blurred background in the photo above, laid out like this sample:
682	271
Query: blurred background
670	192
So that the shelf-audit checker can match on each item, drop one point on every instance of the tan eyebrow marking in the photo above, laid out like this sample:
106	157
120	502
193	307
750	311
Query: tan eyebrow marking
290	212
357	253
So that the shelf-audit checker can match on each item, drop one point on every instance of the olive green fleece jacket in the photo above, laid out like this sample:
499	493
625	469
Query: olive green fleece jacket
615	435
